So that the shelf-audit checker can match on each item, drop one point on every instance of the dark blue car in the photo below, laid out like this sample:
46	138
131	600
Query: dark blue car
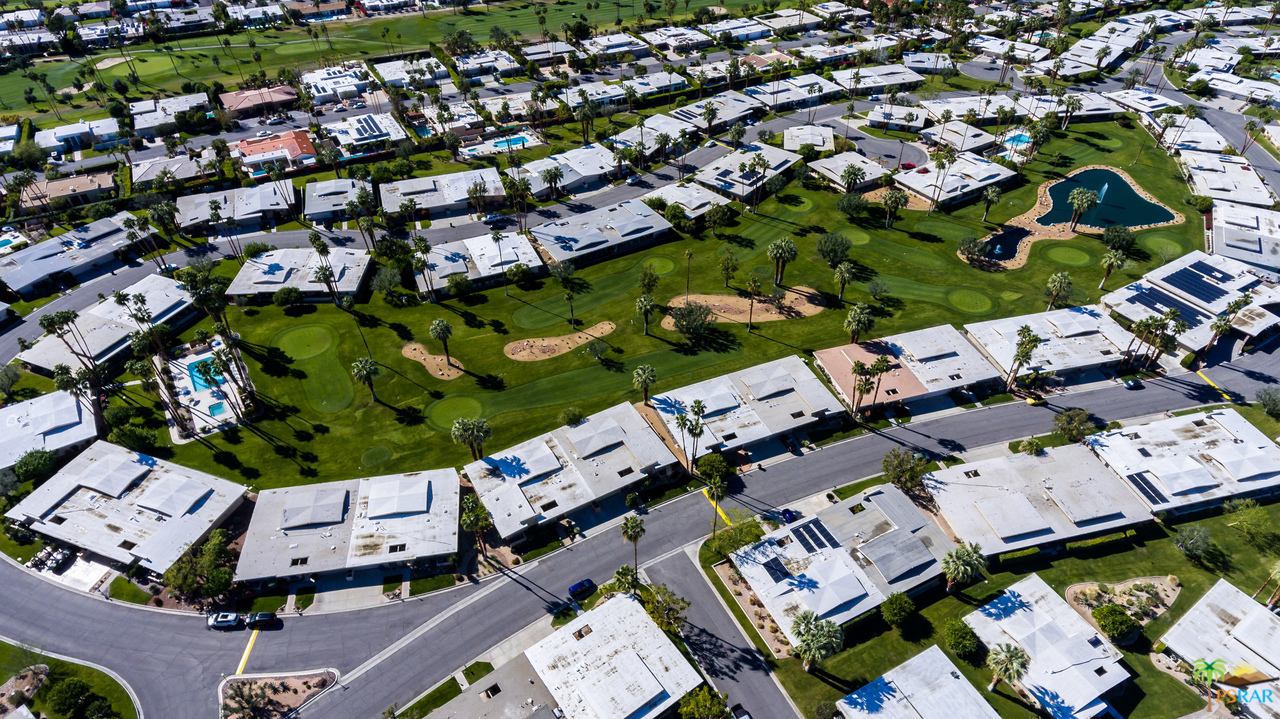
582	589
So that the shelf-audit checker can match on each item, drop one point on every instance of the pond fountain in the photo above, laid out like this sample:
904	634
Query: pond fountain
1125	206
1003	245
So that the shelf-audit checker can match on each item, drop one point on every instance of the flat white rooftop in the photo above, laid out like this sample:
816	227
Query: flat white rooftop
965	177
1248	234
960	135
1071	339
272	271
926	686
833	167
54	421
1226	177
725	174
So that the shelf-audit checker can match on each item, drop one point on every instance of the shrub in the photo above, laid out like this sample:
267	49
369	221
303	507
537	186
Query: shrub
712	466
960	639
827	710
35	466
138	439
852	204
118	415
1075	424
571	416
287	297
1201	203
1031	447
1189	359
1269	398
1114	621
897	609
253	249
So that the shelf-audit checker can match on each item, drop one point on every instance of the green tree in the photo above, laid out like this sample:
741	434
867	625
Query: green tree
718	216
475	519
1113	260
69	695
441	331
834	248
894	200
287	297
1059	286
626	580
1114	621
963	564
712	465
8	378
728	266
473	433
990	196
1119	237
693	319
644	377
648	279
1031	447
365	370
1075	424
782	251
959	638
972	248
644	308
665	608
1081	201
1008	663
632	530
35	466
845	273
852	204
816	639
1248	518
896	609
1269	398
858	320
703	703
904	469
1192	541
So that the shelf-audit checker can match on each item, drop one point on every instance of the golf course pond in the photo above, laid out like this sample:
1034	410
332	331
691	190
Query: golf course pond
1118	202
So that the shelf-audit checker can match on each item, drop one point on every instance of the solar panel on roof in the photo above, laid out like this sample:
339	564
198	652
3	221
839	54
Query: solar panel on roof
1194	284
826	534
776	571
1146	489
803	540
1209	270
1158	301
813	537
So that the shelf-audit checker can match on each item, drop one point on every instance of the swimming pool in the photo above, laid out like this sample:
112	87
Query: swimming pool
5	243
217	409
197	381
1018	140
509	142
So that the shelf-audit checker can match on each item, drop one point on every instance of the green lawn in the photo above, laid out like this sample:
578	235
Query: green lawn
433	700
310	431
871	648
959	82
13	658
476	671
127	591
303	598
272	602
422	585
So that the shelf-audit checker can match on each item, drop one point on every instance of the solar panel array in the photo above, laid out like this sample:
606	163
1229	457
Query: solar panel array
814	534
1209	270
1158	301
776	571
1146	488
1195	285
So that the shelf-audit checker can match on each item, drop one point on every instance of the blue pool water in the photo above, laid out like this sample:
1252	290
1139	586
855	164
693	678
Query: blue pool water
510	142
217	409
5	243
1018	140
196	380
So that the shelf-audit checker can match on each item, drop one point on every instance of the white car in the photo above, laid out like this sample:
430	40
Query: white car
711	143
224	620
265	133
491	217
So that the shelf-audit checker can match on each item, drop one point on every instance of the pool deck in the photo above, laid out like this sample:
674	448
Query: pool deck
490	146
1062	230
197	401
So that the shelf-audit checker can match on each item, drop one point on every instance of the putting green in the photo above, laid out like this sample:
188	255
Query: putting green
970	301
1157	242
1010	296
375	456
442	412
1070	256
661	265
796	204
326	383
855	235
945	230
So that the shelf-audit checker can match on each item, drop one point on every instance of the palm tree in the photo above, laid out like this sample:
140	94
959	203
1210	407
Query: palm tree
476	519
1221	327
859	370
845	273
644	377
626	579
1081	201
551	177
1059	284
716	490
473	433
894	200
644	308
632	530
858	320
753	291
781	251
441	331
364	369
1008	663
879	368
1112	261
852	176
963	564
991	196
816	639
688	272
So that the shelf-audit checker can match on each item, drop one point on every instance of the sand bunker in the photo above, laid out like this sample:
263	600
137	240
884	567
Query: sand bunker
435	364
914	201
105	63
799	302
540	348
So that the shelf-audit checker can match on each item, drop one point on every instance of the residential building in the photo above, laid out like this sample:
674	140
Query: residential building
243	103
1200	287
788	20
325	10
726	177
262	276
846	560
800	91
598	93
1188	134
443	194
331	84
832	168
79	136
678	39
8	138
695	201
1225	177
959	135
357	133
1093	107
751	405
256	16
592	236
995	47
923	364
104	329
876	79
181	167
930	63
656	83
24	18
926	686
1141	101
1071	340
610	662
56	422
984	109
1237	88
648	130
1227	625
412	72
896	117
566	469
327	200
1192	462
519	104
819	137
150	115
834	7
460	118
74	190
730	108
127	507
292	149
582	167
966	177
391	520
1071	664
1019	501
81	254
827	54
1248	234
1209	58
615	45
480	259
244	208
493	62
739	29
550	53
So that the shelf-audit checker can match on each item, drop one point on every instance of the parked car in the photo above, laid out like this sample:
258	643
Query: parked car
789	516
634	180
340	108
261	619
491	217
582	589
922	171
1133	384
358	105
908	165
276	121
711	143
265	133
224	620
739	713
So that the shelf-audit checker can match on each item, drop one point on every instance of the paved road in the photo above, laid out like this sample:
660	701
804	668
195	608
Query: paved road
729	661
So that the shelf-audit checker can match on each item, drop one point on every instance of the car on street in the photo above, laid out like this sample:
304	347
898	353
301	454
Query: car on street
224	620
1133	384
582	589
359	106
908	165
1035	400
633	180
711	143
340	108
259	620
739	713
276	121
491	217
265	133
789	516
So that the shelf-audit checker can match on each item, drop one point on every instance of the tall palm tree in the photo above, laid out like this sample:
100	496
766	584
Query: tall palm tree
1111	261
441	331
845	273
688	272
963	564
475	519
1081	201
626	579
364	369
632	530
781	251
858	320
816	639
1059	285
644	377
1008	663
717	489
753	291
879	368
473	433
644	308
